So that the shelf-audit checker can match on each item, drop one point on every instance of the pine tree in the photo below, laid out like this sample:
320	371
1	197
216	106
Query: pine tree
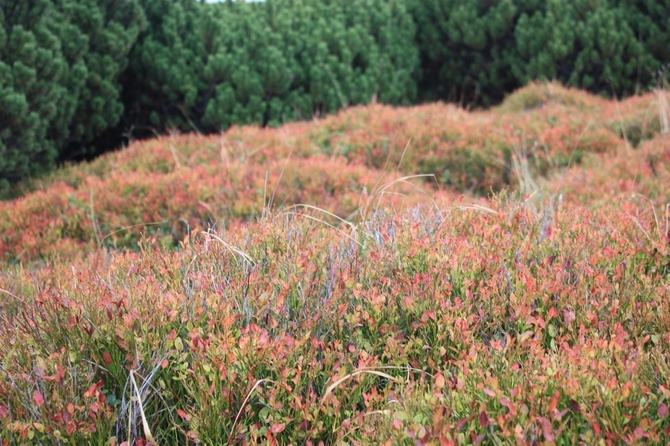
111	29
207	67
59	64
32	73
649	22
164	81
581	43
466	47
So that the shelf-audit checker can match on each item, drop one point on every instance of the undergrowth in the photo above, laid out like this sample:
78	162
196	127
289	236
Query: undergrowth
384	276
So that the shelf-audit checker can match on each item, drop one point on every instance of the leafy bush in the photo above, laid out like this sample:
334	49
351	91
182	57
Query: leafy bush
480	50
77	77
581	43
268	63
59	90
466	47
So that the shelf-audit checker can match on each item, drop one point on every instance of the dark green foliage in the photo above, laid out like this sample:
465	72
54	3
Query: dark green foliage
165	78
581	43
59	64
268	63
78	75
111	29
481	50
650	23
32	70
466	47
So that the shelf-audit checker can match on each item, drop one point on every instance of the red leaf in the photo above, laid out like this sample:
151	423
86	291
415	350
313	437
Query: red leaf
38	398
663	410
183	414
596	429
553	402
508	404
547	429
489	392
428	315
3	411
574	405
277	428
463	421
107	358
483	420
92	392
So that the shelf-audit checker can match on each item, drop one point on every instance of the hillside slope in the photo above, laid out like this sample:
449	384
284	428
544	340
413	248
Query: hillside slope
401	276
538	132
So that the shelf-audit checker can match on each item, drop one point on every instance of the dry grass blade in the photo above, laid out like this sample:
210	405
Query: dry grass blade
297	214
379	191
244	403
386	163
403	154
404	180
12	295
334	385
663	108
342	220
477	207
145	424
520	165
125	228
572	154
96	229
281	175
661	230
639	225
417	188
231	248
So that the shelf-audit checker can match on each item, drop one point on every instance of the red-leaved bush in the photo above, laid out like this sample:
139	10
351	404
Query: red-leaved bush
422	276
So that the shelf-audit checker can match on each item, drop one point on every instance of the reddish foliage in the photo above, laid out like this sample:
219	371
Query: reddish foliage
429	318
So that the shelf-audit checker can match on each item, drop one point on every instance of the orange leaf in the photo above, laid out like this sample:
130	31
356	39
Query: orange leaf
508	404
553	402
277	428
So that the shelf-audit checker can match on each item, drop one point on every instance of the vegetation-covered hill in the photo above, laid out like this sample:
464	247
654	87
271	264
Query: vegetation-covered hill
422	275
78	78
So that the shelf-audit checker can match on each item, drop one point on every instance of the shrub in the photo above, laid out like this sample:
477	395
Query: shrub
59	65
480	50
266	64
582	43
